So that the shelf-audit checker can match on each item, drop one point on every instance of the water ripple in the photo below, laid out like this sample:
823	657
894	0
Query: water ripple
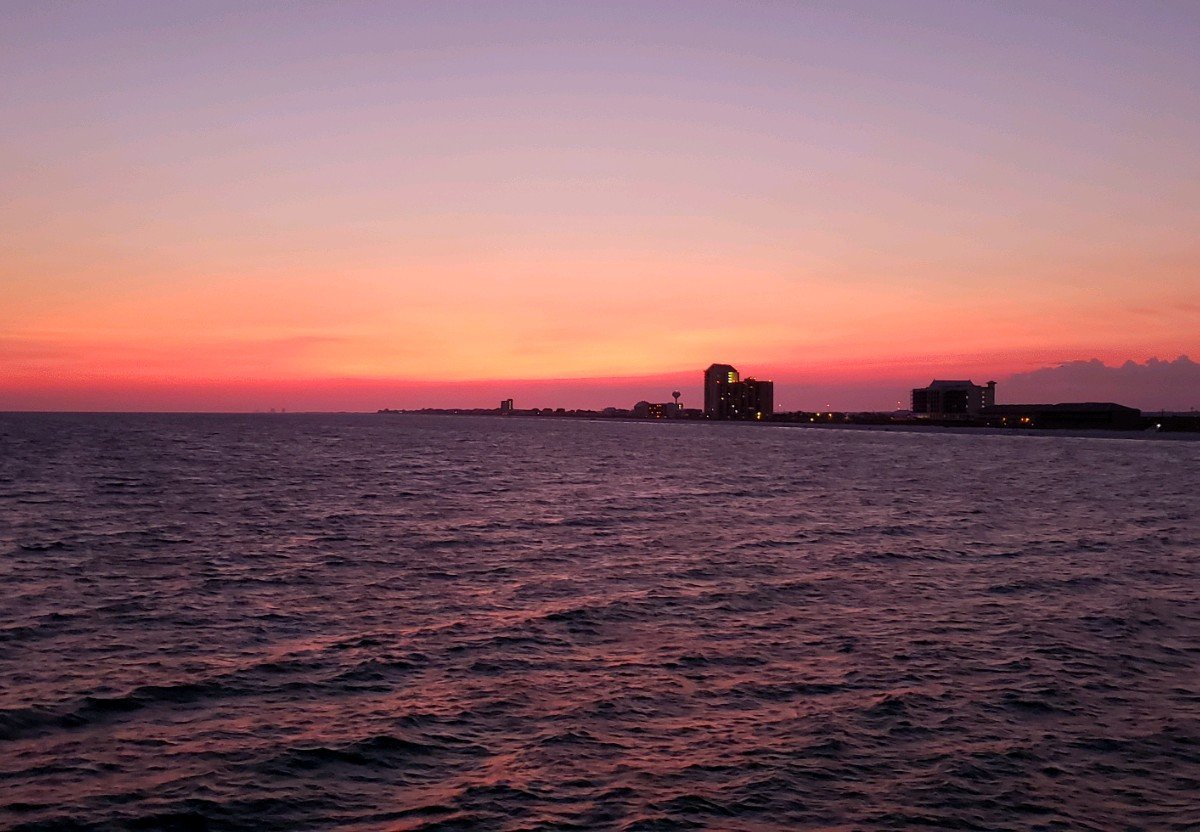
422	623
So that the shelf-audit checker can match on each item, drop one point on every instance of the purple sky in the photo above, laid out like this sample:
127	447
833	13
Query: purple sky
298	197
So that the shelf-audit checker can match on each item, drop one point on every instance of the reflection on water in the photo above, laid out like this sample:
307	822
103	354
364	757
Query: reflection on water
306	622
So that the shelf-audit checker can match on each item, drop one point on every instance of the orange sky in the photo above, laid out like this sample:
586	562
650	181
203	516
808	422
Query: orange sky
297	200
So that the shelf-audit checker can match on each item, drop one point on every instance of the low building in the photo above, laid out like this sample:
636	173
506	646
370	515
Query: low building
1079	415
952	399
656	410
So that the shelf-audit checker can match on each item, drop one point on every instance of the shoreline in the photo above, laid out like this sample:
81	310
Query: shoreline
954	430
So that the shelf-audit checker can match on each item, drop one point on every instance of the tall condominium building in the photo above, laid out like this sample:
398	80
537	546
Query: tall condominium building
952	399
753	399
726	396
717	381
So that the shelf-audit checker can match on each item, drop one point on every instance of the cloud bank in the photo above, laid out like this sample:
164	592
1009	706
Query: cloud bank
1154	385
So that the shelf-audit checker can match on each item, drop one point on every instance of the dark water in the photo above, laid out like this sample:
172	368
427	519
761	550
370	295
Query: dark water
369	622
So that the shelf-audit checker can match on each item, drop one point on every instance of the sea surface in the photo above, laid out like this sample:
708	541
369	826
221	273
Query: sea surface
300	622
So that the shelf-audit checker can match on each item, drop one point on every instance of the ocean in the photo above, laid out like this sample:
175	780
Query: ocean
309	622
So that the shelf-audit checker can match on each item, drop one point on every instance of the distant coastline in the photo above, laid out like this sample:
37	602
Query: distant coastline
944	404
868	422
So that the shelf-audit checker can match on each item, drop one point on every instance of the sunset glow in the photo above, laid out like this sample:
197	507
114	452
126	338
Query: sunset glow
357	206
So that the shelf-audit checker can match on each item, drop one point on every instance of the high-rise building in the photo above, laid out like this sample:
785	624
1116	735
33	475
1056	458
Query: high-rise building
506	406
726	396
717	381
755	399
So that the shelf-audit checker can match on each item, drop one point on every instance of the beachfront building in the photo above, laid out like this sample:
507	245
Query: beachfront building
1078	415
727	396
952	399
656	410
717	381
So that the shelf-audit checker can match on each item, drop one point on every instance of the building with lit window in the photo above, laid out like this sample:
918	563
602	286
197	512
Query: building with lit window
1103	415
952	399
726	396
717	381
656	410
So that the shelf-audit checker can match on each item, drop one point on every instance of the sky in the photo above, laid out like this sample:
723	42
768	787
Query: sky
346	206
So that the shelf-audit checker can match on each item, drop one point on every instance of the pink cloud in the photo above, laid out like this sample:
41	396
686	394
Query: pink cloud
1154	385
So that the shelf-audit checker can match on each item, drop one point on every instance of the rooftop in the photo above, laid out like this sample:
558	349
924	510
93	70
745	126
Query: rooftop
944	384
